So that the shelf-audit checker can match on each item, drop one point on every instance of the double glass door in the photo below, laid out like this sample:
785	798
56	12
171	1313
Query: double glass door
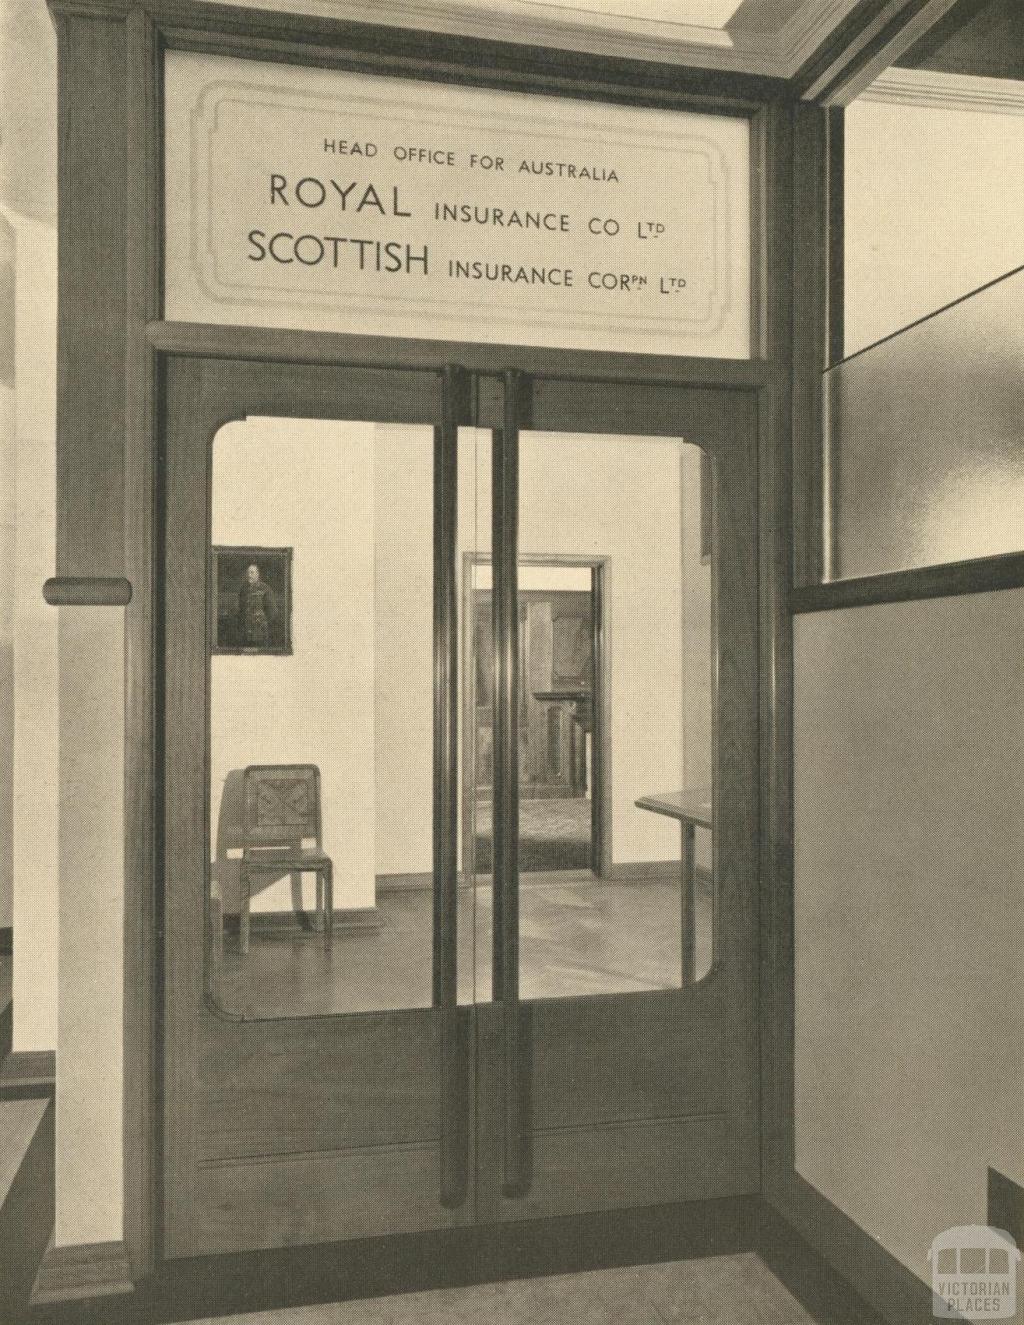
460	733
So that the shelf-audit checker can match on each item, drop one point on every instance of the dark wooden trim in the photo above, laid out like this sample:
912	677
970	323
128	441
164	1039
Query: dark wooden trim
69	1274
816	1285
893	29
775	425
885	1284
982	575
835	289
837	41
92	170
812	250
6	941
375	1268
505	815
87	591
453	1106
338	349
143	247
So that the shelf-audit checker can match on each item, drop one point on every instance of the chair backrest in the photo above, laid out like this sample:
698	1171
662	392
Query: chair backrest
282	805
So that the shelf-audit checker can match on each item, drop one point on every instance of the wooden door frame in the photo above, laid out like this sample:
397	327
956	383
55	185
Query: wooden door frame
110	80
601	568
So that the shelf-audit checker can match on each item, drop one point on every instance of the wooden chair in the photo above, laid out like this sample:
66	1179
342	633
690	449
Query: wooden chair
281	816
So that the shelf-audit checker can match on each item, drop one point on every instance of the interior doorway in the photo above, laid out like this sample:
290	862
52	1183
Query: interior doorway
562	717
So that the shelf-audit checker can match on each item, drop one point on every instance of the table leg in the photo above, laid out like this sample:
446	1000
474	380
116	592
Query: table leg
688	903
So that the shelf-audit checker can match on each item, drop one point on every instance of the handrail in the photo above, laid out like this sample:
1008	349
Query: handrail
505	608
454	1138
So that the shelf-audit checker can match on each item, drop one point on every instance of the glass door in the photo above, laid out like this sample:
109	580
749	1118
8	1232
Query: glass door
618	1062
320	919
460	814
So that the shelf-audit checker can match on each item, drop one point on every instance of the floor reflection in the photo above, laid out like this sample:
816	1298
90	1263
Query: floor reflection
578	935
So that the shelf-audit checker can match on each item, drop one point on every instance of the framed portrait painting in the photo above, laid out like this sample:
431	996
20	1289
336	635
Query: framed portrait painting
251	600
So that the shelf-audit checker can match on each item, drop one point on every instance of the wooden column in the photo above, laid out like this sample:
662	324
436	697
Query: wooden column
108	289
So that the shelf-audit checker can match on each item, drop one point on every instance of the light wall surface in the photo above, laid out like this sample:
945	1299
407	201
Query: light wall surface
909	732
909	750
34	645
306	485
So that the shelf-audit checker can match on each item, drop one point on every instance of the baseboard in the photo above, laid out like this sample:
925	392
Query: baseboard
6	941
893	1293
640	871
375	1268
823	1293
644	871
402	883
350	917
28	1075
72	1274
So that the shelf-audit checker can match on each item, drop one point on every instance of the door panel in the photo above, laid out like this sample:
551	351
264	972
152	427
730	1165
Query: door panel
629	1098
313	1092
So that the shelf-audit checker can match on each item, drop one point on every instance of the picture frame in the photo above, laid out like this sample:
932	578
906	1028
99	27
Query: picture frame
251	601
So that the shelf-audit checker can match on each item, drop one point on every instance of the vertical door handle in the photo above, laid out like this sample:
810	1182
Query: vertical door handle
505	600
454	1028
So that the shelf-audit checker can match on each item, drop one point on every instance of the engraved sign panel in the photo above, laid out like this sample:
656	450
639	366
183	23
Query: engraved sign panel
347	202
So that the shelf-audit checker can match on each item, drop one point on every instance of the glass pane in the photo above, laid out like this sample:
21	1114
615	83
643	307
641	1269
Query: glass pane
321	702
615	716
925	463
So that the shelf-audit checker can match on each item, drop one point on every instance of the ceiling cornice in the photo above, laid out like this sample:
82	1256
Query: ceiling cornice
942	91
778	56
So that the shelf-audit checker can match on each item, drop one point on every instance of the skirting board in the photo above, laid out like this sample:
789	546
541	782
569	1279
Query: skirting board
352	917
898	1296
71	1274
641	871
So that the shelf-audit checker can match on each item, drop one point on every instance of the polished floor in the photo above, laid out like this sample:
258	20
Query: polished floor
578	935
723	1290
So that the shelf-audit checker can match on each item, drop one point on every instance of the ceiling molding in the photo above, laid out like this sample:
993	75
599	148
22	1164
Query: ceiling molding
525	23
808	29
942	91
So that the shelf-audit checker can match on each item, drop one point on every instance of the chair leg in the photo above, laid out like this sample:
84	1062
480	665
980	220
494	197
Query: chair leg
328	908
321	917
243	911
216	928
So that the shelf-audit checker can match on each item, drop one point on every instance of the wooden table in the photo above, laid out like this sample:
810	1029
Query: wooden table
693	810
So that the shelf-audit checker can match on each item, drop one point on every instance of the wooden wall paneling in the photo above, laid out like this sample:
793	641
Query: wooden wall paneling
92	178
